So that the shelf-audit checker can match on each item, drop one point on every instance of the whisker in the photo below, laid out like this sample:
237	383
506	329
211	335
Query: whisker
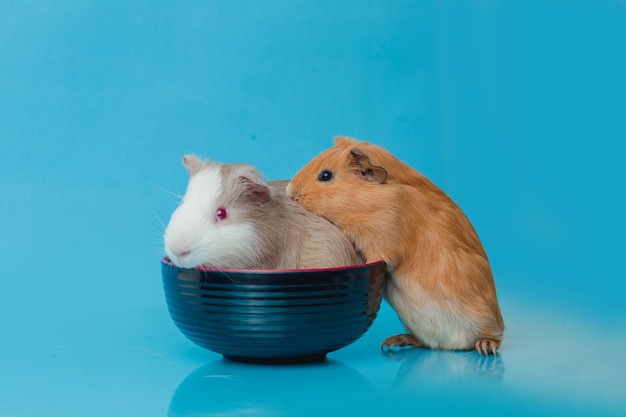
156	216
293	169
163	189
228	276
307	151
154	232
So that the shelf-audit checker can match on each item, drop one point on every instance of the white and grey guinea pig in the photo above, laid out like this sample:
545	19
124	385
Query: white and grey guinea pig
230	218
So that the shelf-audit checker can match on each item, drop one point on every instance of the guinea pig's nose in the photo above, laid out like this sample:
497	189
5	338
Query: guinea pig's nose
290	192
181	254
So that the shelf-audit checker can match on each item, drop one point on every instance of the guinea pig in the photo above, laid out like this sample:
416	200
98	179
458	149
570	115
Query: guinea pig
441	285
230	218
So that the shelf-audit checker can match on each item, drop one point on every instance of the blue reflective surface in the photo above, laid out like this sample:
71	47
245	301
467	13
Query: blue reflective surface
515	110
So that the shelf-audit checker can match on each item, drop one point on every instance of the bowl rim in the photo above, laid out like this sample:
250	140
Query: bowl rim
165	260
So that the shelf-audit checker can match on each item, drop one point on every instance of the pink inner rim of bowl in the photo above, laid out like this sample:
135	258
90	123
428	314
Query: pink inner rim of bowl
167	261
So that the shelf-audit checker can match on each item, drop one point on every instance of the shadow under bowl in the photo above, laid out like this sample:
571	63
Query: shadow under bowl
273	316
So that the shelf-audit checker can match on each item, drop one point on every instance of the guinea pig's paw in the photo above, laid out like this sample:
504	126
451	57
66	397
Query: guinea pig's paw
487	346
401	340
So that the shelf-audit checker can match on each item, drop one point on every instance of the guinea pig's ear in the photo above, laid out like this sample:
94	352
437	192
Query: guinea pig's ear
256	191
365	169
192	164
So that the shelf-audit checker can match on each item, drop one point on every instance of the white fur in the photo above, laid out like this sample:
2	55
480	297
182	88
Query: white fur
288	190
435	320
193	237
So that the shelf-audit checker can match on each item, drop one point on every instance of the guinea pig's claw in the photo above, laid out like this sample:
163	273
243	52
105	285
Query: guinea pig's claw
401	340
487	347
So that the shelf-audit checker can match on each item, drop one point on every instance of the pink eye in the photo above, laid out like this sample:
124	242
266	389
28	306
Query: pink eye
221	214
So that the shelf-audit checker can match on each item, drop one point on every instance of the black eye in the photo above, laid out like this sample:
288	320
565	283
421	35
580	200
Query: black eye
325	176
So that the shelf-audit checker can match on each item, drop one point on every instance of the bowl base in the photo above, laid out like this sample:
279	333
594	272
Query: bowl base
317	357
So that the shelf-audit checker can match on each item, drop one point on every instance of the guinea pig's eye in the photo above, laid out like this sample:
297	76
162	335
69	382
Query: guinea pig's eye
325	175
221	214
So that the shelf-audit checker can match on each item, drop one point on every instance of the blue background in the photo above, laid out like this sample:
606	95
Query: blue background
516	109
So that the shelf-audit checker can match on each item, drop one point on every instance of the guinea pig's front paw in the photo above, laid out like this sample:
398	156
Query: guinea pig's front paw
401	340
487	346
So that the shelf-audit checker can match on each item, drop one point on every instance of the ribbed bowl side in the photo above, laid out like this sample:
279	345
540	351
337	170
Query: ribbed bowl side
273	314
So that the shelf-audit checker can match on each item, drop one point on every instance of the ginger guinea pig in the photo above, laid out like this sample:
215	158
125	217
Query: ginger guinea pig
441	283
230	218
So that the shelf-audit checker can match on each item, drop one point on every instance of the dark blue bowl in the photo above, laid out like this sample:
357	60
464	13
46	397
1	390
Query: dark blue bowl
273	316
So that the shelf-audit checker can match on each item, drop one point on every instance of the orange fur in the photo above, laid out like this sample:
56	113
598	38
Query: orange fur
442	287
